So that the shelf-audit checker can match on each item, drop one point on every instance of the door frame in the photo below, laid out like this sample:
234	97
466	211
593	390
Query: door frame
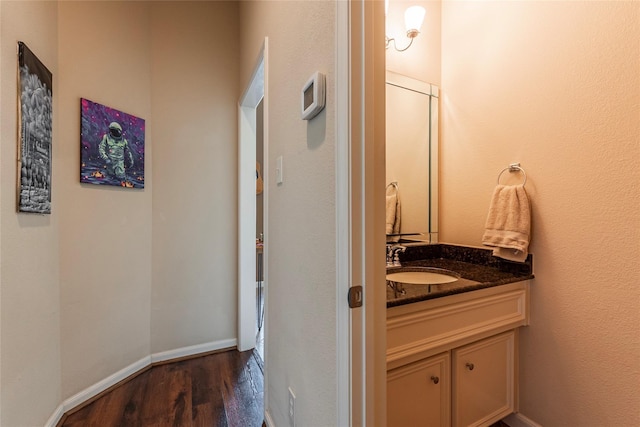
360	211
253	94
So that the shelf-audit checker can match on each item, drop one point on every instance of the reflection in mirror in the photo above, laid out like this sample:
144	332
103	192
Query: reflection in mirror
411	159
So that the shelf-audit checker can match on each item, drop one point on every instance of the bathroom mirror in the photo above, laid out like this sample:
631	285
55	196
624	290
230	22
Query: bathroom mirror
411	159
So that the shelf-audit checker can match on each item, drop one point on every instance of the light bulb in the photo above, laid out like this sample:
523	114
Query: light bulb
413	18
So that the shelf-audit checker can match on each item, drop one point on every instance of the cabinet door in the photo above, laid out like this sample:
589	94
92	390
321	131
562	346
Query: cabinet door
418	394
483	381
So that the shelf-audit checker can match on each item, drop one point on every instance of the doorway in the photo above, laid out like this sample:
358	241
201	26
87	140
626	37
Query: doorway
252	210
260	282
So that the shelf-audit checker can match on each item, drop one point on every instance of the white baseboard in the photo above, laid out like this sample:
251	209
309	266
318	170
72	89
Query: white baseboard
55	417
193	349
267	419
102	385
519	420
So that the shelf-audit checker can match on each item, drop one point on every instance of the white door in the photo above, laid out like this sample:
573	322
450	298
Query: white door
360	107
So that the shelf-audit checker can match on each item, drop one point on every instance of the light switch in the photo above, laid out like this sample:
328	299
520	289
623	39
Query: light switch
279	175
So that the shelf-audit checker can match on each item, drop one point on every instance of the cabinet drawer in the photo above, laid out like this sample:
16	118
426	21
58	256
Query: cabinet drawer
434	326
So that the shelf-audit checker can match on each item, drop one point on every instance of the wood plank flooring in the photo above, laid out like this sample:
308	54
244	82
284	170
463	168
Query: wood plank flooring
222	390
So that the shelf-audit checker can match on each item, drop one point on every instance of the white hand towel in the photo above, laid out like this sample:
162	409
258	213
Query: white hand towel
393	210
508	224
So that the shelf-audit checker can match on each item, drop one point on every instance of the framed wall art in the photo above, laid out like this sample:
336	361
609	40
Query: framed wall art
111	146
35	123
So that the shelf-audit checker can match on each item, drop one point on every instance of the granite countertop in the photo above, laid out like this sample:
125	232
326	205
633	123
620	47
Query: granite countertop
477	267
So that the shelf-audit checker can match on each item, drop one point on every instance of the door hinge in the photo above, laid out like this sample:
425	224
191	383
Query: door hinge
355	296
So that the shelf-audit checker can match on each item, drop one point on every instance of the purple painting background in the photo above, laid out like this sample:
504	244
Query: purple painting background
95	119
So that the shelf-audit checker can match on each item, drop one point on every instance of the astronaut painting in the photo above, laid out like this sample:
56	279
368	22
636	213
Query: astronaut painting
112	146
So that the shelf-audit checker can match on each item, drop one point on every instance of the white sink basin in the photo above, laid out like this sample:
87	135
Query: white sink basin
422	277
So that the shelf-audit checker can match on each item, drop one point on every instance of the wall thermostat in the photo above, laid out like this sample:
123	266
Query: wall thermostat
313	95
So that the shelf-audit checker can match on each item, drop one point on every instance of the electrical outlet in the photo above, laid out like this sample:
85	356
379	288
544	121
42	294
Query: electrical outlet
292	408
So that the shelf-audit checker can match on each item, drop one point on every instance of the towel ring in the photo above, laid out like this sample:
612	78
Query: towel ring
513	167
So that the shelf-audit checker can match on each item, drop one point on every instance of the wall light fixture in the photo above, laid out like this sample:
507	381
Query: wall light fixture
413	18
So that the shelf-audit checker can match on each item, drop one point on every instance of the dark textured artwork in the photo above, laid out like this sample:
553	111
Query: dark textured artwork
35	129
112	146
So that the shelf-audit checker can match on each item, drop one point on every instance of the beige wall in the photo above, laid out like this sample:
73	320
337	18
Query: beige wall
105	233
555	86
301	305
195	91
422	60
93	288
29	285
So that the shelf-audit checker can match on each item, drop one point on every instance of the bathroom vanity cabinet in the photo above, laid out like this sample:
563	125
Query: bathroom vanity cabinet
452	361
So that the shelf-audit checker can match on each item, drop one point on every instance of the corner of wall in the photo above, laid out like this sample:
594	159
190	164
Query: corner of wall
30	370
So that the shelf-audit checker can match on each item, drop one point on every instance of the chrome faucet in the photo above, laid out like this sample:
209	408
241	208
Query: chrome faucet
389	256
393	255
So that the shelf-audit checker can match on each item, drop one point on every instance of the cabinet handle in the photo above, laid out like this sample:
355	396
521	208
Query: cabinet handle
435	379
470	366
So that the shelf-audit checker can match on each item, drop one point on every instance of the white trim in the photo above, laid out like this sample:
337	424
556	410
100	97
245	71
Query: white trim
519	420
193	350
105	383
55	418
266	173
268	420
253	94
343	216
367	110
102	385
247	325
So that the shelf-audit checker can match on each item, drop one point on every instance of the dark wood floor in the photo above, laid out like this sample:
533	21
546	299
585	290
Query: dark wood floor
219	390
222	389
